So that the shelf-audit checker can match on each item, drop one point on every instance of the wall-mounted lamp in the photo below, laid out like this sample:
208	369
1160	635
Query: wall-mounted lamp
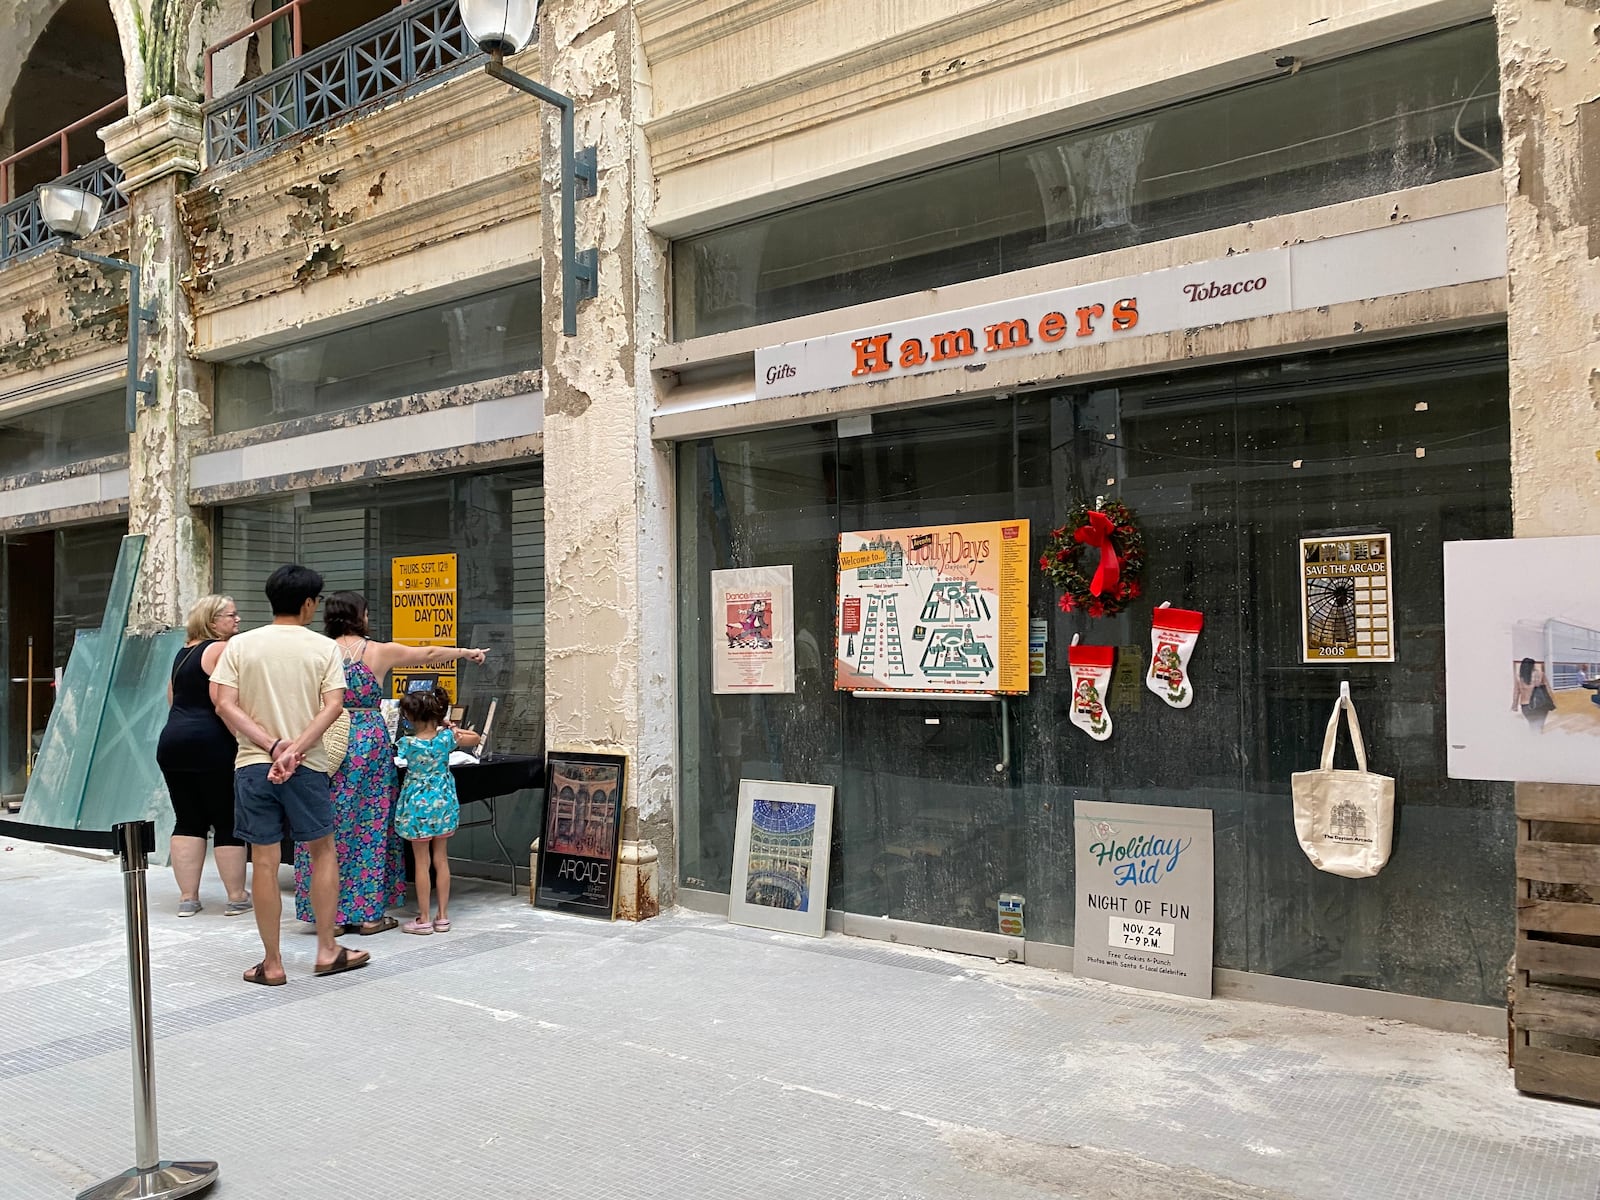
502	27
72	213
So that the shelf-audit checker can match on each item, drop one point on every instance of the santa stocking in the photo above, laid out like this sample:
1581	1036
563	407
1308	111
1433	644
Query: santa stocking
1091	687
1173	633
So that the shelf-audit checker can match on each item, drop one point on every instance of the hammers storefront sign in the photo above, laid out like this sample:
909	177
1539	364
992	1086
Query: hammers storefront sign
1408	256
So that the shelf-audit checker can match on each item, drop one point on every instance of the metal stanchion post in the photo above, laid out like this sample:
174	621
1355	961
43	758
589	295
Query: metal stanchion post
150	1178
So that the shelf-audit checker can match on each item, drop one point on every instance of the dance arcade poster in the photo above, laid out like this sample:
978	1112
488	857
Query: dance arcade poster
940	608
752	639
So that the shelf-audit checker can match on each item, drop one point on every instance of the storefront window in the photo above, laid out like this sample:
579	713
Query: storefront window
493	522
480	337
64	434
1225	469
55	584
1412	113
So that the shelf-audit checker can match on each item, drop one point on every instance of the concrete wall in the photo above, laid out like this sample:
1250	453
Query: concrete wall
1551	103
428	198
609	580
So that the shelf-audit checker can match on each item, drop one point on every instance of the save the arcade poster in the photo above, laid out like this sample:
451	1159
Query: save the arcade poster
940	608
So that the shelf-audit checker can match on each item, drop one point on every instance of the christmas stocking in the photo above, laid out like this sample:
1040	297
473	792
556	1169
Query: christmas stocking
1173	633
1091	687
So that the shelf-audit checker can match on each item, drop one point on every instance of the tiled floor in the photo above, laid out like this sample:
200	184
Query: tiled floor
530	1055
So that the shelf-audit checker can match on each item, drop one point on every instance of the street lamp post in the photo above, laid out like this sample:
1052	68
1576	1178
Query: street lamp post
502	27
72	213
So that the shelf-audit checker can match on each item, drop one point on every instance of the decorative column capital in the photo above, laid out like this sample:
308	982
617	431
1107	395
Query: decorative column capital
160	139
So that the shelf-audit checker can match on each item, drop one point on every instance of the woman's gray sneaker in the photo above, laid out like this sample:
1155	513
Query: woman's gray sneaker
188	908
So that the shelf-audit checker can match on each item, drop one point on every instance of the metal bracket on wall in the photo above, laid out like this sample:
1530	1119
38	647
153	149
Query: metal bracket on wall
586	273
1004	765
145	385
586	172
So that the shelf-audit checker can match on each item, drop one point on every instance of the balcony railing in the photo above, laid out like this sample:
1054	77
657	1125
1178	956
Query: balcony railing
22	229
418	43
58	143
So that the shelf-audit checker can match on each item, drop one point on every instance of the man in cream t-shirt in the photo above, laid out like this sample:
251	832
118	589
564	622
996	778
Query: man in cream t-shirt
279	688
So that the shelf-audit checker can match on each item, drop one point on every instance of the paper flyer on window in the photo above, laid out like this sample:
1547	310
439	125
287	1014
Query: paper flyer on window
940	608
752	630
1346	599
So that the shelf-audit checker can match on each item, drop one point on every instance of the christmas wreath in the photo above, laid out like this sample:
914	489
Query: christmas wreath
1108	528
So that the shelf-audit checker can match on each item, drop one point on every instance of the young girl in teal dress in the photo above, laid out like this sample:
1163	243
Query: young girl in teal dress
428	811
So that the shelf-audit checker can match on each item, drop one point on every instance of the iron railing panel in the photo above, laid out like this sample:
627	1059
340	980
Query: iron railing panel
418	43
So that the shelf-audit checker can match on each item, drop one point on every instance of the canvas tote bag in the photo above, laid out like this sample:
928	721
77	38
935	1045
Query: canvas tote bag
1344	819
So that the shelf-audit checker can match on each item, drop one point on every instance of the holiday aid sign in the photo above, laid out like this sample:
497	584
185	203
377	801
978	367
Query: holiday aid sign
1146	881
941	608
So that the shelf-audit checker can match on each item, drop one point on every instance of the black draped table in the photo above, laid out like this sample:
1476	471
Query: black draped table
484	783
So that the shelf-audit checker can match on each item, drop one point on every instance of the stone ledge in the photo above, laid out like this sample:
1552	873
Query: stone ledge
160	139
460	396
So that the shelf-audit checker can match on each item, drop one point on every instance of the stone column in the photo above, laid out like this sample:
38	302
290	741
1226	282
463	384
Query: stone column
158	149
609	578
1551	106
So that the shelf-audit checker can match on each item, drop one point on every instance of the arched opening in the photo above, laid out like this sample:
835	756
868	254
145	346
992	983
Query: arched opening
74	70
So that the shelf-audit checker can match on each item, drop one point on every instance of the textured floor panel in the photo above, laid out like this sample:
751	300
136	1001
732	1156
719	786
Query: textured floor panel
528	1054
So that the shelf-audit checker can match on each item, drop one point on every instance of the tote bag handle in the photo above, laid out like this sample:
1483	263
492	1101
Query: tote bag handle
1344	704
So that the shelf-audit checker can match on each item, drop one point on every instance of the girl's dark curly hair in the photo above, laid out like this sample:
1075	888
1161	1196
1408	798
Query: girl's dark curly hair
430	707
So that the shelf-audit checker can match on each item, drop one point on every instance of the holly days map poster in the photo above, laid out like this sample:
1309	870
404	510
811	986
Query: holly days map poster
942	608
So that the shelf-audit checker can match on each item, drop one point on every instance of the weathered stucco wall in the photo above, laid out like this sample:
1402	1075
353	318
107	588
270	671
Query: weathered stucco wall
1551	104
56	311
1551	101
608	560
432	195
157	148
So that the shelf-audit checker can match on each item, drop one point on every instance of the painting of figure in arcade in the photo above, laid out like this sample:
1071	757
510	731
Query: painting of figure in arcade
583	798
779	865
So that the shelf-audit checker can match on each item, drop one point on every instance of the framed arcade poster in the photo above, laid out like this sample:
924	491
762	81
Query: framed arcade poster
580	832
781	845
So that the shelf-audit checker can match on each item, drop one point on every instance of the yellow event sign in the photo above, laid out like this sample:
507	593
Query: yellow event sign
851	560
940	608
423	603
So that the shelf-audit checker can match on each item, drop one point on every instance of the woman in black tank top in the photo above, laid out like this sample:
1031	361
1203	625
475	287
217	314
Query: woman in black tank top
195	754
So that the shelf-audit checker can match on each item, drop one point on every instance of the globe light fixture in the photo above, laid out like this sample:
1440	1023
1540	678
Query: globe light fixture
502	27
72	213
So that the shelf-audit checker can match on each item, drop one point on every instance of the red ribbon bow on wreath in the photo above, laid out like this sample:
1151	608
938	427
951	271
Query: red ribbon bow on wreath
1097	534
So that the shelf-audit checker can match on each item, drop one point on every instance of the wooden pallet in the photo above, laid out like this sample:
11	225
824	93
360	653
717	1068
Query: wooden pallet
1556	1013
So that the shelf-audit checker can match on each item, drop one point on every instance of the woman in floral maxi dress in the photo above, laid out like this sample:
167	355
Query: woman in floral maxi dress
372	875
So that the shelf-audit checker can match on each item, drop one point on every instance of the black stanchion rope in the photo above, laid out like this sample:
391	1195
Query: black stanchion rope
82	839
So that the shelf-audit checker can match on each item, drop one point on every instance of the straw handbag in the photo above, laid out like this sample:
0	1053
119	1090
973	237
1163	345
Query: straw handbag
336	741
1344	819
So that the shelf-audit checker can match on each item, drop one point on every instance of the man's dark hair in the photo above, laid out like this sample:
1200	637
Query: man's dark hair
289	587
345	612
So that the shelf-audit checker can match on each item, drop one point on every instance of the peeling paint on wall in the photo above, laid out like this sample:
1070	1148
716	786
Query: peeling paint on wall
1550	85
